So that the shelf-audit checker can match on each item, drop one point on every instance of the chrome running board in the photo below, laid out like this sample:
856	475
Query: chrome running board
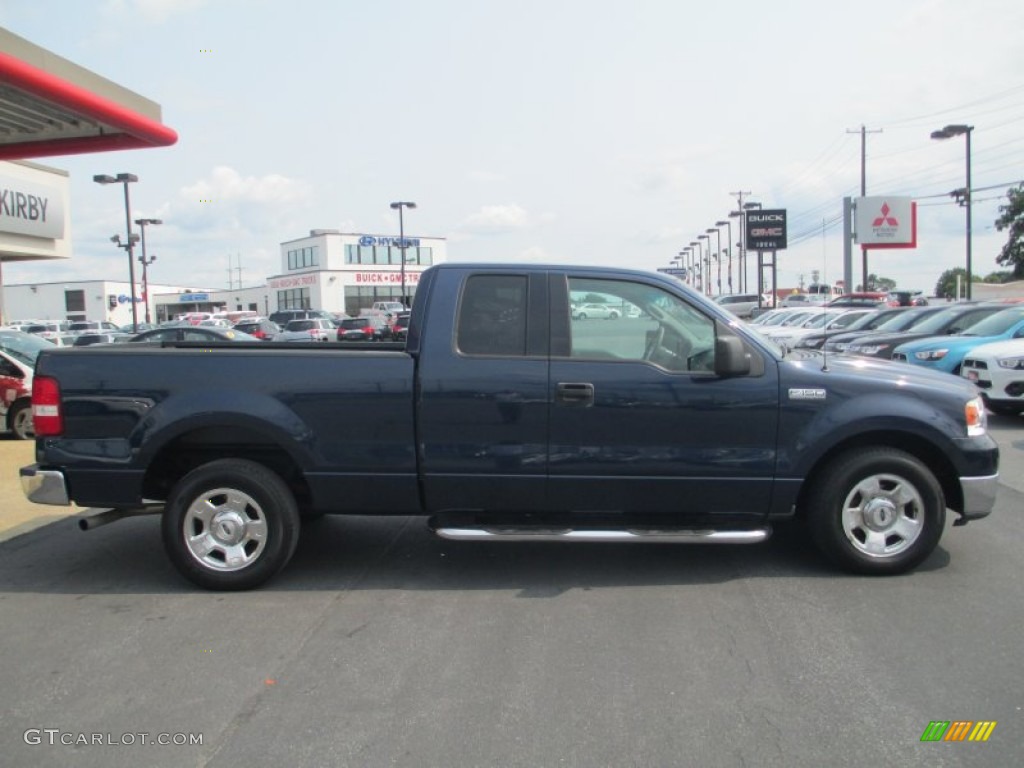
666	536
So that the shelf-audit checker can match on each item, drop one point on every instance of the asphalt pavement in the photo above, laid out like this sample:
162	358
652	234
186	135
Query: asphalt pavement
383	645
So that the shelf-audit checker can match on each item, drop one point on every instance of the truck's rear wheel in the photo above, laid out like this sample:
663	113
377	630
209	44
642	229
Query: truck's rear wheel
877	511
230	524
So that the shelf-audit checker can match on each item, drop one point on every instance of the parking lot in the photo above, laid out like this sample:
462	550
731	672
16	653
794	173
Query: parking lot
382	645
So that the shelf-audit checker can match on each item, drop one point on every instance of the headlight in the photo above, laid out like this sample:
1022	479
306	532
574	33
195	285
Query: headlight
870	349
975	416
932	354
1013	363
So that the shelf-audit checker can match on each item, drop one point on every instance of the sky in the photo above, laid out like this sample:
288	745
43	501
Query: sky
558	131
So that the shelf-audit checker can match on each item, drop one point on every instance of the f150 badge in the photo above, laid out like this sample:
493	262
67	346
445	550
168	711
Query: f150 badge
807	394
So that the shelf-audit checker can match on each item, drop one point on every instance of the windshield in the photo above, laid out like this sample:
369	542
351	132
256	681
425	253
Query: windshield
301	325
23	346
939	322
905	320
997	324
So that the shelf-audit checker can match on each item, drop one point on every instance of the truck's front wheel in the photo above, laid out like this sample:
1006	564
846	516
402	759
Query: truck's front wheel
230	524
878	511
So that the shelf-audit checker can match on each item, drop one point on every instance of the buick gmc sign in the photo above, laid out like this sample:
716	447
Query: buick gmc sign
766	230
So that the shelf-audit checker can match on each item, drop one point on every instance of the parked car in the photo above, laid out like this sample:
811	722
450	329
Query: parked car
92	326
803	300
18	353
284	316
869	320
896	320
740	304
310	329
786	336
907	299
400	326
946	353
949	320
46	330
862	299
998	371
599	311
261	328
103	337
192	333
365	328
387	308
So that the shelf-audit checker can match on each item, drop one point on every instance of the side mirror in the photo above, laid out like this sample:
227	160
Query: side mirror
731	357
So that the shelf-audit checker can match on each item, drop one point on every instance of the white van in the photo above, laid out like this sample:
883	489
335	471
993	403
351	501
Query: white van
740	304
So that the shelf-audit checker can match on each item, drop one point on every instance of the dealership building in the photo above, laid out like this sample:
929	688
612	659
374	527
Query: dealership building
348	272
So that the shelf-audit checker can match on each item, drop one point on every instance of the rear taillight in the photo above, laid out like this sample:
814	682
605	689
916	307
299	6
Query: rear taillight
368	330
47	419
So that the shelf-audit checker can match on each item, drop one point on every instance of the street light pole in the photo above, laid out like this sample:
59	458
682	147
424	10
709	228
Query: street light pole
145	262
947	133
700	259
400	206
707	265
746	256
718	254
727	223
126	179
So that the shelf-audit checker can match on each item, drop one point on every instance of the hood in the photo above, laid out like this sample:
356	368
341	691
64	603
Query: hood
851	371
1008	348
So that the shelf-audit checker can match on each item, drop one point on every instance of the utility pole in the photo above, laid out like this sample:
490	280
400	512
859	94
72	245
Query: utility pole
741	240
864	189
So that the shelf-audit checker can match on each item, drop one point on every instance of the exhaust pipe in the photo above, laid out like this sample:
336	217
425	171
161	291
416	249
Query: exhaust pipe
107	516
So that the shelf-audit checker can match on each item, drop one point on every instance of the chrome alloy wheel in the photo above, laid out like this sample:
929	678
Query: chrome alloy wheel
883	515
225	529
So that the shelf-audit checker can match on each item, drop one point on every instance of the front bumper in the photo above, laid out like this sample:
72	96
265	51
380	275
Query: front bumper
44	486
979	496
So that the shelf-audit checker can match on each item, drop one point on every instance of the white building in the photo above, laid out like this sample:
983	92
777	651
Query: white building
329	270
345	272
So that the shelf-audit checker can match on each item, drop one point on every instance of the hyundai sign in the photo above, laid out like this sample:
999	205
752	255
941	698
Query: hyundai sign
766	229
397	242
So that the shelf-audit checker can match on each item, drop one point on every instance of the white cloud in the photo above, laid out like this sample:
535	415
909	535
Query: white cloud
497	219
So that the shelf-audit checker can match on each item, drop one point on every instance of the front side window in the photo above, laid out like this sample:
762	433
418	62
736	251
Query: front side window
639	323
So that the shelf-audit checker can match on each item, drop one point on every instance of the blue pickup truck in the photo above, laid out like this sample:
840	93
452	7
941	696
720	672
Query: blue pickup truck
502	418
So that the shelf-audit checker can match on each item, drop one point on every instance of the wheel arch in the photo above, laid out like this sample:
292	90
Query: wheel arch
927	452
198	444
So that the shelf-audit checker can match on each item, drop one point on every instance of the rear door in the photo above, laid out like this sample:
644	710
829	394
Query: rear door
640	423
483	391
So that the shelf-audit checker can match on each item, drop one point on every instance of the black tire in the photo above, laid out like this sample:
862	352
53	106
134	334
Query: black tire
876	511
19	420
230	508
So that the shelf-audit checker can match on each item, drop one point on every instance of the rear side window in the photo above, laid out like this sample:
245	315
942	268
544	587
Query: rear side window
492	316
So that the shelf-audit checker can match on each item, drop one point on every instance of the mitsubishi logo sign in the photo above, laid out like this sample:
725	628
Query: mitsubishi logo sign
886	222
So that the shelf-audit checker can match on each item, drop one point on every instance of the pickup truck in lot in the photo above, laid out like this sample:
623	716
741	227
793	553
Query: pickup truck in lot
504	419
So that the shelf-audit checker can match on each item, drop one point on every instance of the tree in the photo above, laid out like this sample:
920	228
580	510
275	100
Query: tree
1012	218
946	287
1002	276
876	283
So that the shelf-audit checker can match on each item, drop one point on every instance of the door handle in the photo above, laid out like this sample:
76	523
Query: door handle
575	393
